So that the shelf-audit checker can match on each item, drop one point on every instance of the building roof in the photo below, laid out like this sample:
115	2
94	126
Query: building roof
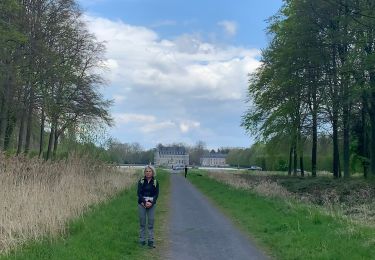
176	150
214	155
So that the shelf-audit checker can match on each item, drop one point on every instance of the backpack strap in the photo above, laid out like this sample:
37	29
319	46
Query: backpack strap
142	181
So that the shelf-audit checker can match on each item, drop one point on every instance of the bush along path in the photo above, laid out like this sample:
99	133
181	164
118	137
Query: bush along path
106	231
289	229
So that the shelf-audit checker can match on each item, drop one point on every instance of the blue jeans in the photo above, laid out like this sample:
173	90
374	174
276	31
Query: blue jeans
143	215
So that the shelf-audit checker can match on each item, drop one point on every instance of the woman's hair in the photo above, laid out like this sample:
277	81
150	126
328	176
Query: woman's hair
152	169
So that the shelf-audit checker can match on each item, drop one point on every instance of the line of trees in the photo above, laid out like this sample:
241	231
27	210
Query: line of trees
196	152
49	65
272	156
129	153
318	76
133	153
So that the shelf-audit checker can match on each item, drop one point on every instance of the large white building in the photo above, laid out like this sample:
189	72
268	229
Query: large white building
214	160
171	156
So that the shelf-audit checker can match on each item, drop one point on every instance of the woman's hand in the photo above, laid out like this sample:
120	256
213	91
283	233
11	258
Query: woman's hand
148	204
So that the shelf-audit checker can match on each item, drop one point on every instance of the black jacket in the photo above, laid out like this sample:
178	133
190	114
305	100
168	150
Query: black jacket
148	189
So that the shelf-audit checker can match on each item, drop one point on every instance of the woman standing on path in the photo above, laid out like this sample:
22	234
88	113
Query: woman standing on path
148	192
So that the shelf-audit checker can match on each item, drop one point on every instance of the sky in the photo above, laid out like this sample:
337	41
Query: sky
177	70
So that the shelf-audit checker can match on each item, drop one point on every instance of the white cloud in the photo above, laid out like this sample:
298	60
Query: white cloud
138	58
186	126
150	123
173	90
230	27
119	98
111	64
148	128
126	118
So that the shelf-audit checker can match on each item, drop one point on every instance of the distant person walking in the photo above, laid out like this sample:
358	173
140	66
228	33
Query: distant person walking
186	170
148	192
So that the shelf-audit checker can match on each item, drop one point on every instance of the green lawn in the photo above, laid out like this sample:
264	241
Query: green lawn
289	230
108	231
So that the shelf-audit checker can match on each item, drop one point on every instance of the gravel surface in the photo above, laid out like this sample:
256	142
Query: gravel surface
199	231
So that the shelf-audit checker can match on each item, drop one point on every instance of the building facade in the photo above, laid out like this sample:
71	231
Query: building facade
214	160
171	156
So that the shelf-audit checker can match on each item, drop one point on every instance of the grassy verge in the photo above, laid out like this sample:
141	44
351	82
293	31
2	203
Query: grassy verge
161	225
289	229
107	231
352	197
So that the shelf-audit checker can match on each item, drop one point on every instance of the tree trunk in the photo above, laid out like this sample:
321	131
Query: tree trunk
3	119
371	106
371	113
29	121
4	112
314	106
342	49
9	131
335	107
21	131
50	142
372	147
336	158
56	141
314	149
364	138
301	164
2	100
346	114
340	167
300	150
41	136
290	160
295	160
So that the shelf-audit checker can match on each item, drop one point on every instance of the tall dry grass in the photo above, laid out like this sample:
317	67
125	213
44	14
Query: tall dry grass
261	186
37	198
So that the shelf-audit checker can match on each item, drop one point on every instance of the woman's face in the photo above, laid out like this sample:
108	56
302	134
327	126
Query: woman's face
148	173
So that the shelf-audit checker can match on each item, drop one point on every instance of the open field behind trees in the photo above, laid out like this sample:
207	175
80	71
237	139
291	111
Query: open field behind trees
38	198
353	198
287	228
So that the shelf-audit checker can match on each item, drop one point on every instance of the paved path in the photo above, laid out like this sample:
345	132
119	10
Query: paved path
200	231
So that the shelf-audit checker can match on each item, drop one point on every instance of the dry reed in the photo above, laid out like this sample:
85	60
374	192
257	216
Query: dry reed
37	198
261	186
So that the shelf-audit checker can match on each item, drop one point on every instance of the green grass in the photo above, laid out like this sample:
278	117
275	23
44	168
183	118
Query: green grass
289	230
107	231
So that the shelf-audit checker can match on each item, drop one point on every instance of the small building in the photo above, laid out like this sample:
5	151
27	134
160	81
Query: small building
171	156
214	160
